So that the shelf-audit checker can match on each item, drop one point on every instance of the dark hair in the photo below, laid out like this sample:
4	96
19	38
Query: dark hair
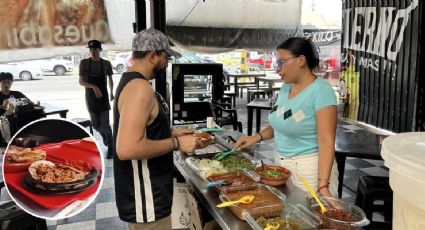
143	54
301	46
6	76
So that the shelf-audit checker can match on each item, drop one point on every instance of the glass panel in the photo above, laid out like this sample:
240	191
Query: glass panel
197	88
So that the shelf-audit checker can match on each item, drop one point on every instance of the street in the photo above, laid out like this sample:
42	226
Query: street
63	91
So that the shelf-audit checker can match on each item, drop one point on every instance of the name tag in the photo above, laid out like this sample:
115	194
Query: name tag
298	116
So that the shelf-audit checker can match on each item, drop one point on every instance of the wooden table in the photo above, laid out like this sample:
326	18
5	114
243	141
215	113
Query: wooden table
258	104
244	75
50	109
271	79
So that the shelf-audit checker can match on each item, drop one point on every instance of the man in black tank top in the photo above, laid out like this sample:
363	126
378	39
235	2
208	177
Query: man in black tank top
144	141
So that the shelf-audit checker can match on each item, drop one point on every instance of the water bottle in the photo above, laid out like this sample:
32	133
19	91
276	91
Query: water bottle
12	100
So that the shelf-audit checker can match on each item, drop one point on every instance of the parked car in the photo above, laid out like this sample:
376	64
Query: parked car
57	65
120	61
22	71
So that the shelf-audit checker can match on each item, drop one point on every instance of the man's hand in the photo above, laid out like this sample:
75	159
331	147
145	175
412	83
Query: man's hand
9	110
181	132
187	143
5	104
97	92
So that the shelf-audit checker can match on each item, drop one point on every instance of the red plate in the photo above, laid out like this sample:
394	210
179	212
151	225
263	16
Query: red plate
69	150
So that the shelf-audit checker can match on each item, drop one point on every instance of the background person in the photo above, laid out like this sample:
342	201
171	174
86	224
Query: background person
93	74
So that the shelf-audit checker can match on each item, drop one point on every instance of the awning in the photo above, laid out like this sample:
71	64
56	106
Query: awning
222	25
199	25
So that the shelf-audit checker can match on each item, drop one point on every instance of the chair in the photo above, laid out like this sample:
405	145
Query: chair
220	109
370	189
14	218
232	97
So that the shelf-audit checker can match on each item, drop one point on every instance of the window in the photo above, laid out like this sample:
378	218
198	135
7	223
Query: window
197	88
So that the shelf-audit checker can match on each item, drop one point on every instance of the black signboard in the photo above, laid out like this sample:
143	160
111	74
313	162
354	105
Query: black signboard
381	46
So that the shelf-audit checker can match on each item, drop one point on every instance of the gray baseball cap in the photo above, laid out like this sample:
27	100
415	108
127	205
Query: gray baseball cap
152	40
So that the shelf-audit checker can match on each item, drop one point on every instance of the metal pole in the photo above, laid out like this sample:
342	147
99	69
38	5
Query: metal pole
158	22
140	24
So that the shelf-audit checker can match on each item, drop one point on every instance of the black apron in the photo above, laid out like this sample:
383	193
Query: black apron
95	105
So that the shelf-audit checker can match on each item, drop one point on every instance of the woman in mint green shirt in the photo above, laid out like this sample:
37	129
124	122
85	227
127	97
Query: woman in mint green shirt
303	120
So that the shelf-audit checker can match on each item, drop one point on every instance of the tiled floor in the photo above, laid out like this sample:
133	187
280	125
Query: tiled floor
103	214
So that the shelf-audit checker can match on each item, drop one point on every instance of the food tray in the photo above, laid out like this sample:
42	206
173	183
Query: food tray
298	213
243	177
210	151
260	206
69	150
190	161
16	167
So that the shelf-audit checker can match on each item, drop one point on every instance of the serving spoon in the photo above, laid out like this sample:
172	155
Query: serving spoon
244	200
313	193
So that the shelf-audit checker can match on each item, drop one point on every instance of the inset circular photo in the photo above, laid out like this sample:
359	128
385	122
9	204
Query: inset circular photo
53	169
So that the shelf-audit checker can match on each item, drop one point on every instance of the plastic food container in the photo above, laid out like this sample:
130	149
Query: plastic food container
404	155
211	150
274	181
268	200
245	155
331	223
243	177
203	172
303	218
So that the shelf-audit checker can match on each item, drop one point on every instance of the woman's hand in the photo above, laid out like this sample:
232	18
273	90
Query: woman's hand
247	141
181	132
325	192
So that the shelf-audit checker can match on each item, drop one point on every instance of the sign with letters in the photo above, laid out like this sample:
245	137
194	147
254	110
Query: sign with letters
47	23
381	64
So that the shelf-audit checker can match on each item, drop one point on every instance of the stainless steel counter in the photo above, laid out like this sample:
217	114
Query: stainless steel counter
209	199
